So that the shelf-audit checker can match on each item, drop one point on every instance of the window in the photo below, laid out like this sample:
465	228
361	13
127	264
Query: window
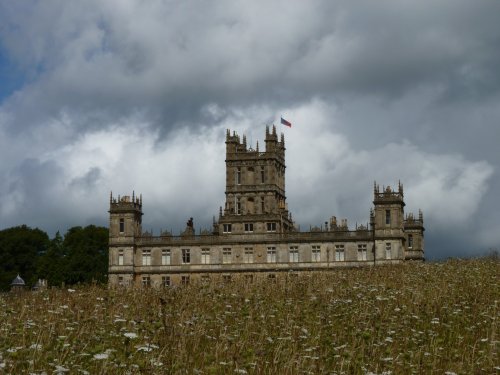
238	176
271	254
146	281
226	255
388	251
226	278
122	225
262	175
249	278
226	228
186	256
387	216
410	241
293	254
120	257
339	253
271	227
361	251
184	280
248	227
205	256
165	280
262	205
316	254
165	257
146	257
238	206
248	255
272	278
120	280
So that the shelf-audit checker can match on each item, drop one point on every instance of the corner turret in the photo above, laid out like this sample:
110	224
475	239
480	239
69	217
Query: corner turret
387	222
414	233
125	226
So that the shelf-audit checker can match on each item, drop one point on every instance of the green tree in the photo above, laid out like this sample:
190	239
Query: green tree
20	248
87	254
52	264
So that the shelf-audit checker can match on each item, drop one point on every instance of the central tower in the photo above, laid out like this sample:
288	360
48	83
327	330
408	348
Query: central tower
255	187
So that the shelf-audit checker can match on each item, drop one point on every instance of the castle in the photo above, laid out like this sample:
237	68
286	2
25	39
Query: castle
255	235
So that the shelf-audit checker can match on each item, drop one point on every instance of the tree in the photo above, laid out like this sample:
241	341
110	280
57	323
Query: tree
20	248
52	264
87	254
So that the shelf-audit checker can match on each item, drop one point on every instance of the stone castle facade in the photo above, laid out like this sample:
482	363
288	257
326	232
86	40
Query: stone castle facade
255	235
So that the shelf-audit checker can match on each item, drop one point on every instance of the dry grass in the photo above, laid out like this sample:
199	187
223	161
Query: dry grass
437	318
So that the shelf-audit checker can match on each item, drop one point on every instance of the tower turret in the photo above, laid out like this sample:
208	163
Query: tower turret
255	187
125	225
414	233
387	220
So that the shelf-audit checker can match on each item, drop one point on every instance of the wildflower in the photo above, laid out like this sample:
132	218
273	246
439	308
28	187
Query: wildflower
146	347
101	356
71	290
61	369
130	335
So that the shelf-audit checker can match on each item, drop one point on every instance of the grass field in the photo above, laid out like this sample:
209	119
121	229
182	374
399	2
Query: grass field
433	318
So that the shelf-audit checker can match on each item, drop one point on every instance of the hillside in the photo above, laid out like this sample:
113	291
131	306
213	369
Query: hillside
414	318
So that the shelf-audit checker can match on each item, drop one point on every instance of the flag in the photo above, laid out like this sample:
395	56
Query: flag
286	123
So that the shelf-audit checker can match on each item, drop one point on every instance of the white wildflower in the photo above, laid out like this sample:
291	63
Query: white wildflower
71	290
130	335
61	369
101	356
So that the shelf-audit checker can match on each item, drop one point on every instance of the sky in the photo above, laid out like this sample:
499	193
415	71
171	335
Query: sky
129	95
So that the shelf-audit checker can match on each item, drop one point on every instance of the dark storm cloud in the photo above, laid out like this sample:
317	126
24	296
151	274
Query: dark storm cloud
113	87
171	61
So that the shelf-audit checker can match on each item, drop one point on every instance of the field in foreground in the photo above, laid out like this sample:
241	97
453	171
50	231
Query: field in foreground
437	318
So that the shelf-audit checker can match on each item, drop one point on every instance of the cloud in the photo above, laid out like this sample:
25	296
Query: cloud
94	62
183	176
125	95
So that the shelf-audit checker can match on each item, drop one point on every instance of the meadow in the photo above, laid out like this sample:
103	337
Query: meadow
421	318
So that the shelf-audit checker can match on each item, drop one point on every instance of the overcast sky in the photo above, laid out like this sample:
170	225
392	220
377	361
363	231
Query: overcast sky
127	95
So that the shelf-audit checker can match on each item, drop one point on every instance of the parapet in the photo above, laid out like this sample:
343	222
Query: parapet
125	202
387	194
